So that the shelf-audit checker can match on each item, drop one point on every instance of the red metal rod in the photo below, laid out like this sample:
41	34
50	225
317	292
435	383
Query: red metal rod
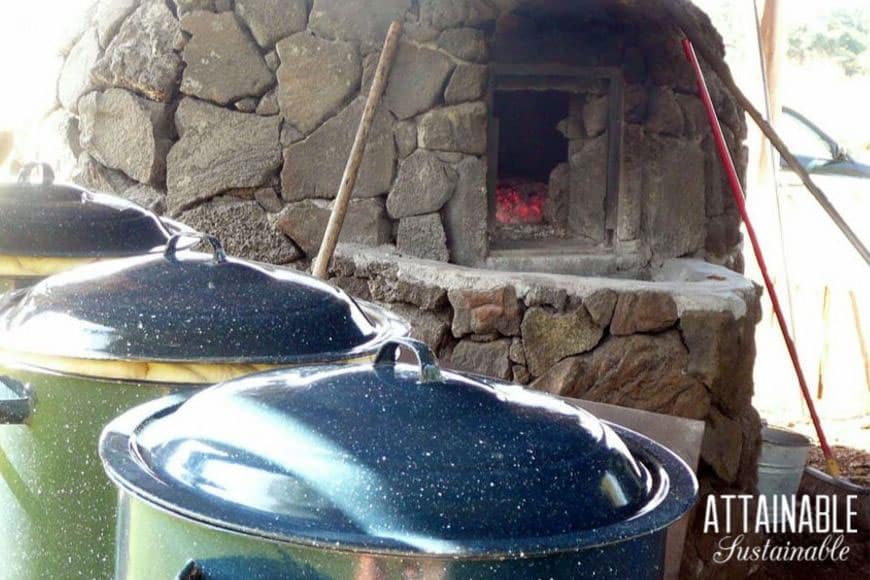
739	200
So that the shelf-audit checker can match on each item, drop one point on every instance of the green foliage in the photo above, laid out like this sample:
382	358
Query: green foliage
842	36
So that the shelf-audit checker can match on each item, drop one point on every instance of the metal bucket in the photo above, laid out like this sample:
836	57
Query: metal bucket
781	465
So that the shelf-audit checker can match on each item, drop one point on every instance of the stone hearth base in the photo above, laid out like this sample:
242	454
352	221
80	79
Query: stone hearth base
681	343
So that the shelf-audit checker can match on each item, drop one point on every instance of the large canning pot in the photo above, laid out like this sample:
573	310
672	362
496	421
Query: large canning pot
386	471
47	228
80	347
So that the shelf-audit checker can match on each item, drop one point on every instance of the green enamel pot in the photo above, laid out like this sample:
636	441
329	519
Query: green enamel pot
57	516
83	346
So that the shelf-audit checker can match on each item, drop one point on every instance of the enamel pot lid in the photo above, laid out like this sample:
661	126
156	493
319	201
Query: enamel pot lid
190	307
394	458
44	219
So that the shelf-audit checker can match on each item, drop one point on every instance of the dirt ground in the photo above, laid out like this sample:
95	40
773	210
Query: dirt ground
849	438
854	463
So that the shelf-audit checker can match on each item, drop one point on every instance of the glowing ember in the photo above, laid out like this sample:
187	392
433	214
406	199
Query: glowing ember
519	201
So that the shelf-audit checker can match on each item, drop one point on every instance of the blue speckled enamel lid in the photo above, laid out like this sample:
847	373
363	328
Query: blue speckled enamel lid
190	307
49	220
391	457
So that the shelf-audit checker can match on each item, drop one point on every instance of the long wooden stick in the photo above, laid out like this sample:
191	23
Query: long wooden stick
351	170
685	22
823	357
859	330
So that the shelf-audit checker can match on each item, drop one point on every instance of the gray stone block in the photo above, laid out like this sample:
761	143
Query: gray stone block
305	223
222	62
595	114
406	137
268	105
665	115
219	150
630	202
423	236
416	80
674	197
361	21
94	176
486	358
315	78
464	43
247	105
549	337
268	199
430	327
313	167
468	83
146	196
641	371
465	216
183	7
588	187
424	185
108	16
271	20
459	128
126	132
75	76
143	55
244	230
644	311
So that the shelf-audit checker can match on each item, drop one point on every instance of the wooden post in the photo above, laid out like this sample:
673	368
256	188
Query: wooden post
6	142
823	358
770	39
859	330
348	180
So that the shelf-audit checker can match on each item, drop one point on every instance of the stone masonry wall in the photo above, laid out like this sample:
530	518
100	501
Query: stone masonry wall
238	116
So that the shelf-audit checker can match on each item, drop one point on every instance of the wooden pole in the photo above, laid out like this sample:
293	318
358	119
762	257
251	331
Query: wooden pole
859	330
771	46
6	142
682	19
348	180
823	358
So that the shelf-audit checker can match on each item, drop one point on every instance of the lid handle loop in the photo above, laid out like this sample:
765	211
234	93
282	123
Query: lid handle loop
45	171
429	370
218	254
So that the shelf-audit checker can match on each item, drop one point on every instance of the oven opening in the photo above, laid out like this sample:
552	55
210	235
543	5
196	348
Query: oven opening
530	149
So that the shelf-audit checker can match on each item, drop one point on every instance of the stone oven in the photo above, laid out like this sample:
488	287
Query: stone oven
540	194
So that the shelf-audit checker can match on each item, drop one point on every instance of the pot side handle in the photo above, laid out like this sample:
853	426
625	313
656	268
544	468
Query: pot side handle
16	402
45	172
428	367
191	571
